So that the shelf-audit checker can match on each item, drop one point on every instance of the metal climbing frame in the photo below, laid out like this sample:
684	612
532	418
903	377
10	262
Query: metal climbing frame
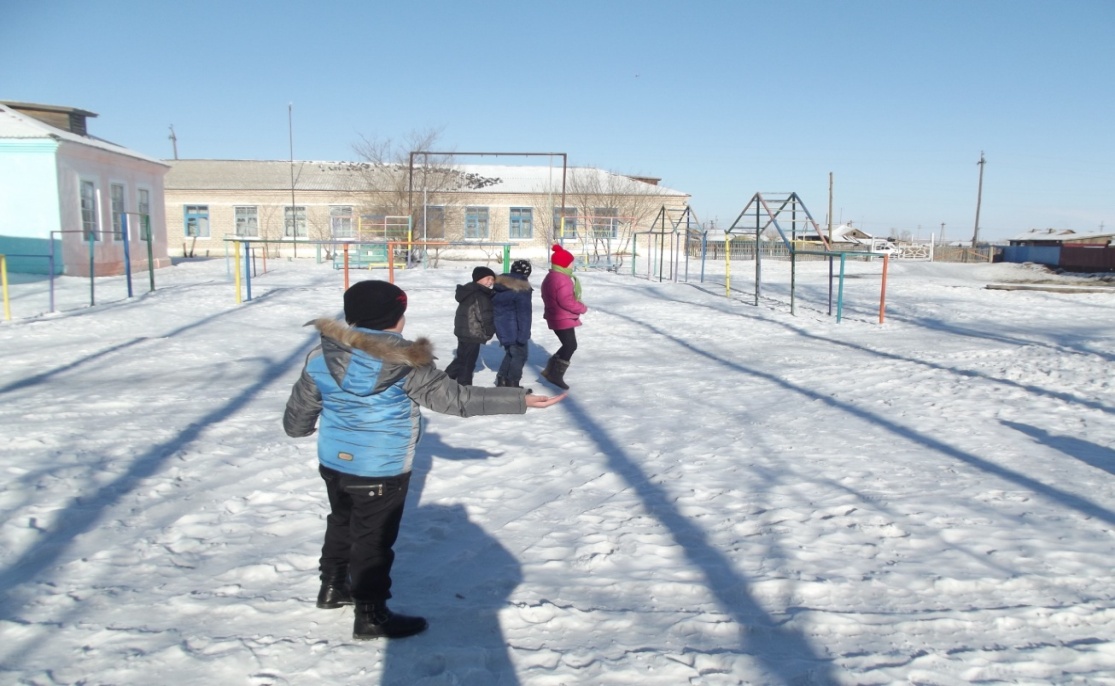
788	215
669	239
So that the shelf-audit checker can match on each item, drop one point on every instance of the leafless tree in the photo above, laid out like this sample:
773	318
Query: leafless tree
613	207
270	228
384	178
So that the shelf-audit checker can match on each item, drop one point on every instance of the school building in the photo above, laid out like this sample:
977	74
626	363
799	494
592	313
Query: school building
297	207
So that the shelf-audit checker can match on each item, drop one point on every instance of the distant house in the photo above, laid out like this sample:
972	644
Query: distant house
1064	248
67	192
1059	237
850	238
844	238
322	203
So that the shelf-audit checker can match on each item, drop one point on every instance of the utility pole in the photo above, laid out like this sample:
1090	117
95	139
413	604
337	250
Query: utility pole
942	233
827	247
979	199
173	141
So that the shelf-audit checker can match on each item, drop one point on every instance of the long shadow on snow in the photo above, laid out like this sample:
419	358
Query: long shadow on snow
783	653
1059	395
1029	388
1082	505
440	551
1078	346
97	356
1073	344
1087	452
84	512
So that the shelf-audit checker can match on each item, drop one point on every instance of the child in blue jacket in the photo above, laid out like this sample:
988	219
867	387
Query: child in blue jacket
513	309
362	387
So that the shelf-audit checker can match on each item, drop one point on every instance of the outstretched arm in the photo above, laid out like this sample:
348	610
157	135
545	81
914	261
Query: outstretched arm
544	400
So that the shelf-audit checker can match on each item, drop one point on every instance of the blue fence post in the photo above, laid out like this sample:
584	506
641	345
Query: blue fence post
248	268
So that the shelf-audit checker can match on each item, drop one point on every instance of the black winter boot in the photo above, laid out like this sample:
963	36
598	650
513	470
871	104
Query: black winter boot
502	382
334	594
374	620
555	372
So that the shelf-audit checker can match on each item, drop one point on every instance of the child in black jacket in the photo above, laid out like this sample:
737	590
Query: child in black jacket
473	324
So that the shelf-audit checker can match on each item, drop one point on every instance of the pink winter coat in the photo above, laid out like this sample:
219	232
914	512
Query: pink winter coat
562	310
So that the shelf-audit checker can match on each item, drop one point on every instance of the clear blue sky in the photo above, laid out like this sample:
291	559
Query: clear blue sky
724	99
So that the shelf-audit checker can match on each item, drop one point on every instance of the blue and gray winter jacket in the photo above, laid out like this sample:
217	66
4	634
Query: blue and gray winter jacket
513	309
366	387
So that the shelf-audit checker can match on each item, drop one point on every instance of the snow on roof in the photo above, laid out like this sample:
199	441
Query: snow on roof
14	125
1060	235
318	175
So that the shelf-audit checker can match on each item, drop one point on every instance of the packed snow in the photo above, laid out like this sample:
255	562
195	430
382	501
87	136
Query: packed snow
731	493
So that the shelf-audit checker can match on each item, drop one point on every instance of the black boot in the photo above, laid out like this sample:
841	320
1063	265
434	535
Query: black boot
502	382
374	620
555	372
334	594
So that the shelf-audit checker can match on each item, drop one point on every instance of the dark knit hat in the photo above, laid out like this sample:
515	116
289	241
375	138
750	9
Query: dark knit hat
481	272
374	304
561	257
521	267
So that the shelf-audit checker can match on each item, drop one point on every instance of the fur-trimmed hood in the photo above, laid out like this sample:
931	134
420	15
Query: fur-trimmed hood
513	283
388	347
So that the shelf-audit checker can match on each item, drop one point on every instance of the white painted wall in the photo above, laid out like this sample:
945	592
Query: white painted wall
28	188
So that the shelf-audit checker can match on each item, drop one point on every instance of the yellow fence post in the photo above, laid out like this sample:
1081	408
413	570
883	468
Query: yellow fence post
4	287
883	290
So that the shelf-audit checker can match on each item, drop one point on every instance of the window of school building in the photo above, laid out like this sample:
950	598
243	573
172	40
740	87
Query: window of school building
196	220
247	221
522	223
476	222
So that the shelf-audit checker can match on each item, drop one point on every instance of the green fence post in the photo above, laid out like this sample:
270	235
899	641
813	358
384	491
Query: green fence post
92	300
150	252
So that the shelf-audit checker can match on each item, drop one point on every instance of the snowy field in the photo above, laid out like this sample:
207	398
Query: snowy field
730	494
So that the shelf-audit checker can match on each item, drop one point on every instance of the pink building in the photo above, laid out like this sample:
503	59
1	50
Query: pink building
68	193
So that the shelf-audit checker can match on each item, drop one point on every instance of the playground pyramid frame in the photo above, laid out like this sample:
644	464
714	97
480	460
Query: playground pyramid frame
799	232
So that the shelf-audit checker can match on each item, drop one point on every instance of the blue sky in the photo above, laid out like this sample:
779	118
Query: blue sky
896	99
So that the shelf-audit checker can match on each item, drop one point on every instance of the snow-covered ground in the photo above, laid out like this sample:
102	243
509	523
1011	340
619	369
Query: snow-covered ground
730	494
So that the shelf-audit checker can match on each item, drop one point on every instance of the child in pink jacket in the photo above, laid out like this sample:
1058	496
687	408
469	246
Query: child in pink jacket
561	295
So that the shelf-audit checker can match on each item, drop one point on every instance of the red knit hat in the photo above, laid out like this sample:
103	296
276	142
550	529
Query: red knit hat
561	257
